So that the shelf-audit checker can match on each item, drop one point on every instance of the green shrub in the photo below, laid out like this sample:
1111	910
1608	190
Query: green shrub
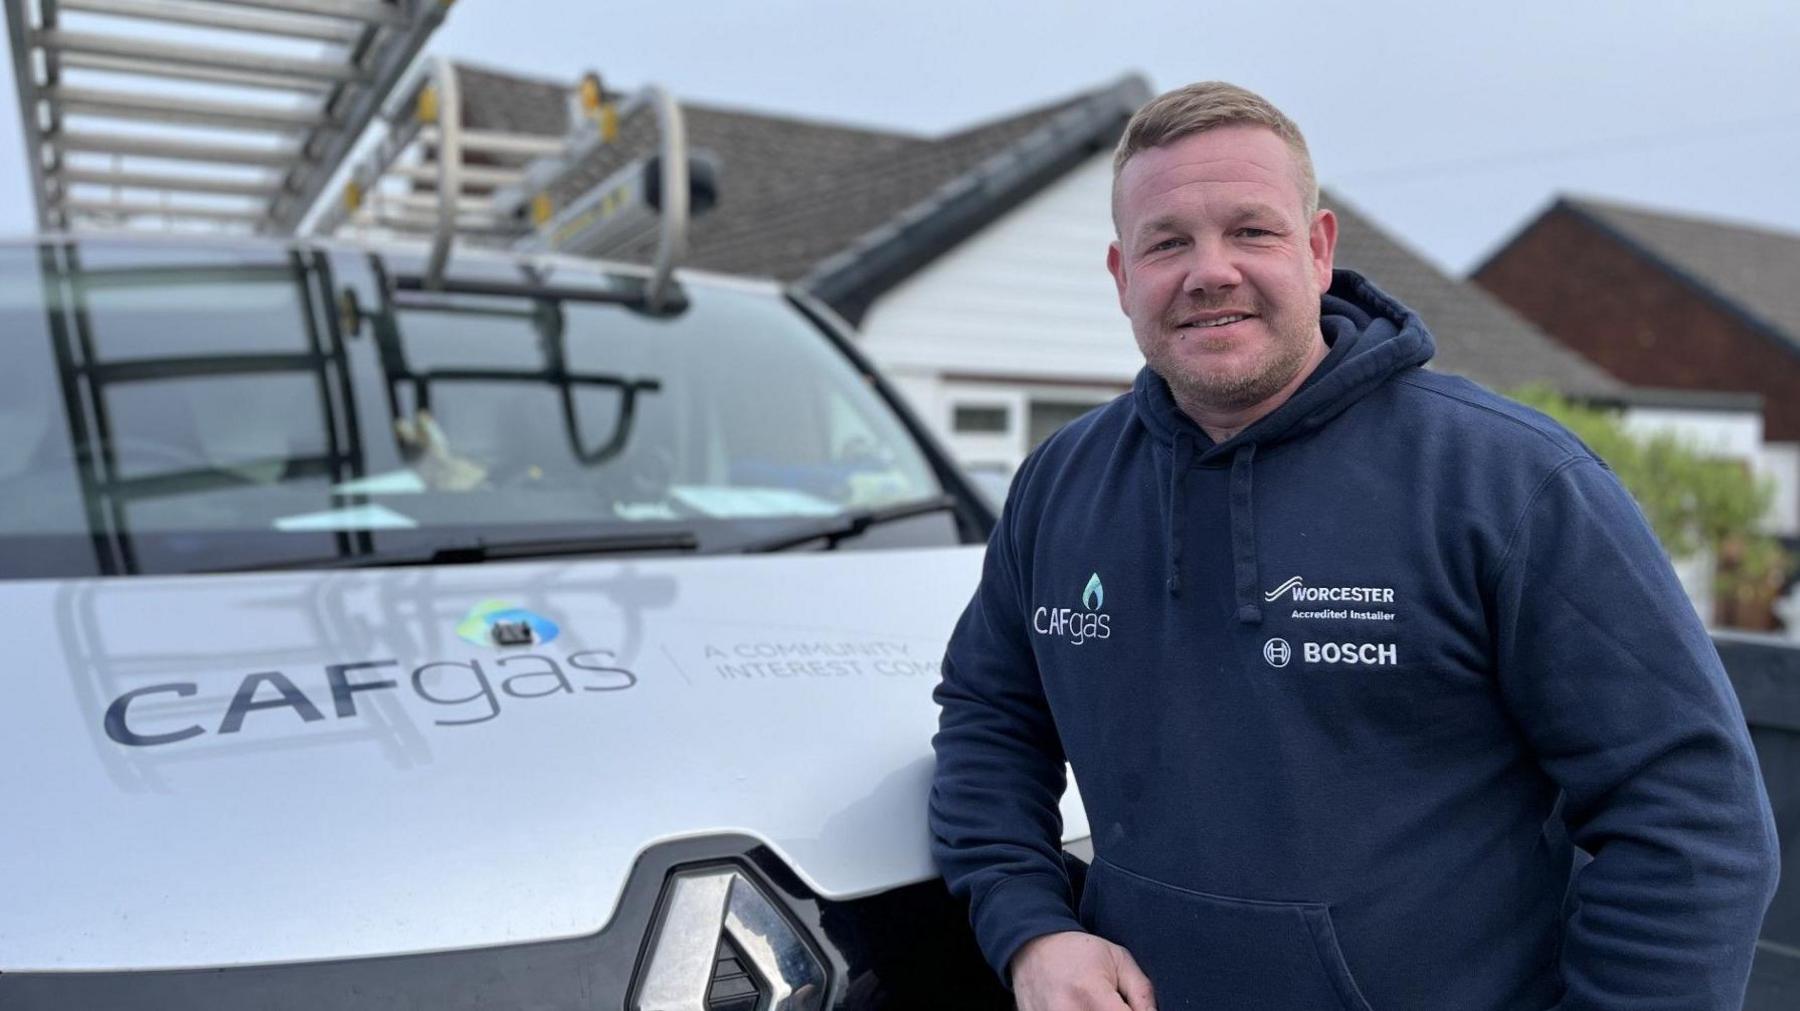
1693	501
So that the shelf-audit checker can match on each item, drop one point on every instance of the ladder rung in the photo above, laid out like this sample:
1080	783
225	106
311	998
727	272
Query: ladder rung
175	150
209	17
387	61
366	11
495	142
119	65
408	222
427	204
158	181
132	208
472	175
159	109
207	57
359	51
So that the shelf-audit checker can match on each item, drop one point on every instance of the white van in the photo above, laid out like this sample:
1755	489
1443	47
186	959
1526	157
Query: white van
506	644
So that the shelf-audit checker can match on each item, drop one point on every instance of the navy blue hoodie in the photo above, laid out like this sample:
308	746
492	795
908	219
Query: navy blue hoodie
1339	693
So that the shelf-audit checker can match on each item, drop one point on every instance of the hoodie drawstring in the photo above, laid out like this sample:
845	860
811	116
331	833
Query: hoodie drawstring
1184	458
1243	536
1373	339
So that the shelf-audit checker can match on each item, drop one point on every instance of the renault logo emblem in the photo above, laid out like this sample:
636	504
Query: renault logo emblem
1277	652
699	908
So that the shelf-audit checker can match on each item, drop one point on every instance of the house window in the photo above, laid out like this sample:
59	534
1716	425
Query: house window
1046	416
980	419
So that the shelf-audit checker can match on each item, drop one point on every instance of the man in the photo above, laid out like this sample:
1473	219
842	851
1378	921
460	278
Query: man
1343	652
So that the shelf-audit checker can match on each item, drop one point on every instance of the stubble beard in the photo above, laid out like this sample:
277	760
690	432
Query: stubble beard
1220	391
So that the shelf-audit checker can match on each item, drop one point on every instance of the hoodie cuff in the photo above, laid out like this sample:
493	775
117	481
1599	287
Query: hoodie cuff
1017	910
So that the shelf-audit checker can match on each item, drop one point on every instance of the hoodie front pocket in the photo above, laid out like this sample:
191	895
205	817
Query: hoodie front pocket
1217	953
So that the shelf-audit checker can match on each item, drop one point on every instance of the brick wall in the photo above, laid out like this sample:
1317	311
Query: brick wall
1638	321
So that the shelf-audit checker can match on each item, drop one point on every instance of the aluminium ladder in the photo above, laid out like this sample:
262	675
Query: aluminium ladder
295	147
508	197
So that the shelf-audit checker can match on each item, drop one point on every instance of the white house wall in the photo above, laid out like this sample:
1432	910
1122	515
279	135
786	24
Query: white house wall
1735	434
1023	309
1028	295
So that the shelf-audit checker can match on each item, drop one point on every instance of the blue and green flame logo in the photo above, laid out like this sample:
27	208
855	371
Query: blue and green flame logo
478	627
1094	597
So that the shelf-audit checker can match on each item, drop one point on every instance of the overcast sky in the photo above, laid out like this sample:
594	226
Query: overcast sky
1451	124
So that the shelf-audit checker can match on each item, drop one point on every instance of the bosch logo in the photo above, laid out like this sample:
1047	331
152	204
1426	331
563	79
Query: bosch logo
1277	652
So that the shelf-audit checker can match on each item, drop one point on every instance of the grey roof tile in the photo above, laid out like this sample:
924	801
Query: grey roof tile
497	100
1757	270
1477	335
792	191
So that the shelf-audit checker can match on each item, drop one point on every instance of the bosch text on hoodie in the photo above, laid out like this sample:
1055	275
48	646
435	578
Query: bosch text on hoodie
1343	692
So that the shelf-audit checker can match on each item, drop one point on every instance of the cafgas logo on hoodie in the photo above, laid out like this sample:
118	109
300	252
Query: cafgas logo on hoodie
1077	625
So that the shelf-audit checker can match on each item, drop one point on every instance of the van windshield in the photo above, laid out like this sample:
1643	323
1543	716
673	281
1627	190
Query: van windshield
171	409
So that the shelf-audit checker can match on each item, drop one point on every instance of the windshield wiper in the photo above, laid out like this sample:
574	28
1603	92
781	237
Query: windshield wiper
851	524
480	550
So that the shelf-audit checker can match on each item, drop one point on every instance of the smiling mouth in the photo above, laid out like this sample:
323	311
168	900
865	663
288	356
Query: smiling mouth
1209	324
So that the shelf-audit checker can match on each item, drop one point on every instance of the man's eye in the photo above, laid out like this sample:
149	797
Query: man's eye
1254	233
1165	244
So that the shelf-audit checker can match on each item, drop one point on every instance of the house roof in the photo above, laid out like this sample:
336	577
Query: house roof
1477	335
792	192
1754	271
848	212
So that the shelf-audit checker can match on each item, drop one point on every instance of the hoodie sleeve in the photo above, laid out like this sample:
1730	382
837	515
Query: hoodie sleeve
1622	696
995	824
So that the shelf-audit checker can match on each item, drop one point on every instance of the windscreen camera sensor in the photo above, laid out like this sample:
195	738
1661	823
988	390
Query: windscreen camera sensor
511	633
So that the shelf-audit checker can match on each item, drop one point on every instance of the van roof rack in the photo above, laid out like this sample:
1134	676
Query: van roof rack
487	186
294	148
498	188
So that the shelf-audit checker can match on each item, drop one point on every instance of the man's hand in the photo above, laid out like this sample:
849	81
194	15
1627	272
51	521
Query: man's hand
1073	971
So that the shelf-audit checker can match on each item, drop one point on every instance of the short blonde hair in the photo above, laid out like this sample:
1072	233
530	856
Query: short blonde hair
1205	106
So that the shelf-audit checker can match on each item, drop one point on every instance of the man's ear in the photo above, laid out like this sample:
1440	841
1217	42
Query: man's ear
1322	237
1115	265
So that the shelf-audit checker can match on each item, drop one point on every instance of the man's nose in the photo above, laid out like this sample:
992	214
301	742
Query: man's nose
1210	268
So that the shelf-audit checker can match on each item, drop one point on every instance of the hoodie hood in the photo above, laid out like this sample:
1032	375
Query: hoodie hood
1372	337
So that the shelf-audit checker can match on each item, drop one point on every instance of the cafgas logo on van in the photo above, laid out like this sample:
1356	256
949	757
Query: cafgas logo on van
1077	625
465	690
500	623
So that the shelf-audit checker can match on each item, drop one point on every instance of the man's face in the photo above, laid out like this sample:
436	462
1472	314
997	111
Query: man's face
1218	266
